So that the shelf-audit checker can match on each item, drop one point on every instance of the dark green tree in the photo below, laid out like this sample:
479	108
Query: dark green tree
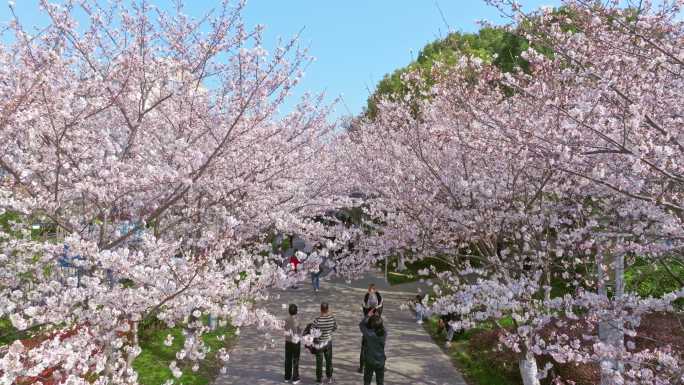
498	46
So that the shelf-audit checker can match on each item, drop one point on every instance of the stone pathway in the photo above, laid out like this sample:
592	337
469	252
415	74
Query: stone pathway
412	356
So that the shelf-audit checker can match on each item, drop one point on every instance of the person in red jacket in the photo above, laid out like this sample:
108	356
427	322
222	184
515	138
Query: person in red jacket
294	261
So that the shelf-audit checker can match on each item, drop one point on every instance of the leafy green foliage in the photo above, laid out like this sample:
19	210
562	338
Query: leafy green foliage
650	279
6	220
8	333
493	45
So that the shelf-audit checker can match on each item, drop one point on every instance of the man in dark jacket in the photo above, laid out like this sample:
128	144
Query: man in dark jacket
374	349
362	358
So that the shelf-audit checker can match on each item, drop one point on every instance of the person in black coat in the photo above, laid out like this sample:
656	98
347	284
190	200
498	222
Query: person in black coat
374	350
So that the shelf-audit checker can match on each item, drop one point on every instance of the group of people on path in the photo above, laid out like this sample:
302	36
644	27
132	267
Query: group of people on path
321	346
372	358
315	275
324	325
320	341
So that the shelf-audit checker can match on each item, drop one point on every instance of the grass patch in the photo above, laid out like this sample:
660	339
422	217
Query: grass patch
410	273
395	278
153	362
475	353
8	333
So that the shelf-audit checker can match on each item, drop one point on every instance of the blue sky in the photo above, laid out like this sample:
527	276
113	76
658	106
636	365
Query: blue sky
355	42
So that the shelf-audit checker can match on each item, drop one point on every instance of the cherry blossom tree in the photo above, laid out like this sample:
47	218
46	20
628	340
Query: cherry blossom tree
448	188
609	118
153	141
563	174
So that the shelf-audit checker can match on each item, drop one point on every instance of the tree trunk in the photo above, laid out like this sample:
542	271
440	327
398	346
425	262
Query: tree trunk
213	321
611	331
136	343
528	369
109	362
401	266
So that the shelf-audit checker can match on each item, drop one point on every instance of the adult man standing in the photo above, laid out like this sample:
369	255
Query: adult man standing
327	324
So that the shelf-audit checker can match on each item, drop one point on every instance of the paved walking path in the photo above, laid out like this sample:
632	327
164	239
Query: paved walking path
412	356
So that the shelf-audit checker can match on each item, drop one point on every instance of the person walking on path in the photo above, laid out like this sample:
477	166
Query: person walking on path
326	324
294	261
375	335
292	345
372	300
316	280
